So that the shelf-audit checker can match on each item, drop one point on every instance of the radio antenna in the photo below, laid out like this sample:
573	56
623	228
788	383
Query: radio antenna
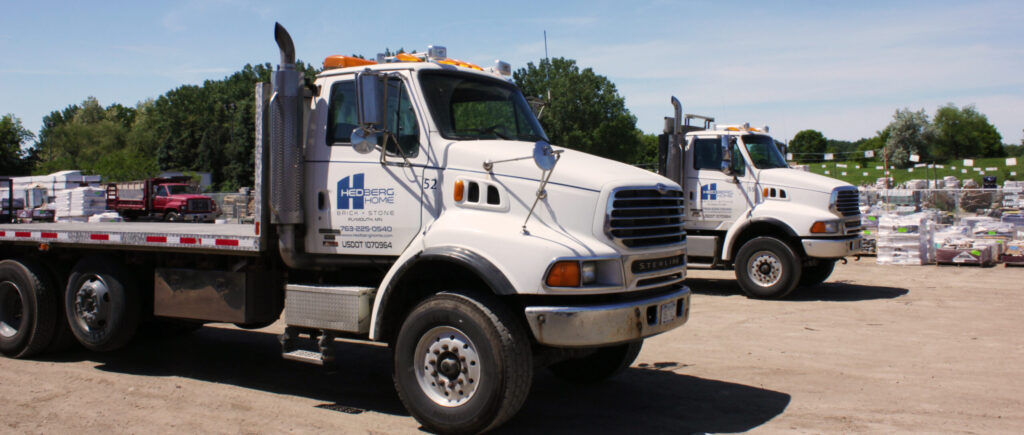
547	74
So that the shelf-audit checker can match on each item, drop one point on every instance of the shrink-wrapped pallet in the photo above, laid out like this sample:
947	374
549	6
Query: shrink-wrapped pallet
905	240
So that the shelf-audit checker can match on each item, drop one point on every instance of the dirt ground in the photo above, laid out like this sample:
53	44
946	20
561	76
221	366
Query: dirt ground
876	349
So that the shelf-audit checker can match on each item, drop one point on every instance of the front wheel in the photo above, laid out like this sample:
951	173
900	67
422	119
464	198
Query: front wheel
462	364
817	274
598	366
172	216
767	268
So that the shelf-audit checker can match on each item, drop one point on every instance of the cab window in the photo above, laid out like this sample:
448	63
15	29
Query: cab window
707	153
341	115
401	118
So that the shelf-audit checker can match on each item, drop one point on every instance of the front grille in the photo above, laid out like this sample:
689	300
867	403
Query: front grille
640	218
199	205
848	202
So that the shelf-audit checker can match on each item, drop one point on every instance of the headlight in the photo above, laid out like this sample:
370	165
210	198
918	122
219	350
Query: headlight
584	273
825	227
588	272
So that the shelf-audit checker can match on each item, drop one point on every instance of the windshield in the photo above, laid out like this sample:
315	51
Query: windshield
472	108
178	189
763	153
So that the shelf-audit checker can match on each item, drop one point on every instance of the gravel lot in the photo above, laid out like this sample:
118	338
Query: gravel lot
875	349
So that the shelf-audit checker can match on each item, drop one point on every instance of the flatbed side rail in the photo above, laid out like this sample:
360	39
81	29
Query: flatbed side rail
129	239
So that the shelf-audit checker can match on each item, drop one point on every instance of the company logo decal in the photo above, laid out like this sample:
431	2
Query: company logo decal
353	194
710	192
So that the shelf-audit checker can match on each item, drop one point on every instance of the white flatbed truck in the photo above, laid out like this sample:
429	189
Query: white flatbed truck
412	201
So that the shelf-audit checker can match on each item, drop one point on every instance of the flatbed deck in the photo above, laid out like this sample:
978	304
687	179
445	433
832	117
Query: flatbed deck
148	236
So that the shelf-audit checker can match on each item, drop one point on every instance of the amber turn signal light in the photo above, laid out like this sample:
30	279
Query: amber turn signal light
564	274
460	190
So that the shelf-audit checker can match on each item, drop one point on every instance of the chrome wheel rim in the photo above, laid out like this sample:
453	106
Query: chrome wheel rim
12	309
92	304
447	366
765	268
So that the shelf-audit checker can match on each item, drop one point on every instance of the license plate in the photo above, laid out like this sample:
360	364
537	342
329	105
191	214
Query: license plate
668	312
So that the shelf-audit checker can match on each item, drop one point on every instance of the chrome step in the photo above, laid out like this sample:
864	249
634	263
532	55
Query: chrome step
306	356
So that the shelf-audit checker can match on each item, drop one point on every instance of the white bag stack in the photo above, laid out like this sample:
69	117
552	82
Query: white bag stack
905	240
72	205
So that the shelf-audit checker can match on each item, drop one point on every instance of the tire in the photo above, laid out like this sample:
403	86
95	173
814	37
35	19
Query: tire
462	364
101	304
767	268
172	216
817	274
598	366
28	308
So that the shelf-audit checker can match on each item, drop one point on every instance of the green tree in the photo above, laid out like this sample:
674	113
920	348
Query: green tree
965	132
95	140
909	133
209	128
808	145
584	111
13	135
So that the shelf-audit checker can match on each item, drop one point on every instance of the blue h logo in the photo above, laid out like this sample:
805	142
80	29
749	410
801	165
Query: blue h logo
709	192
351	194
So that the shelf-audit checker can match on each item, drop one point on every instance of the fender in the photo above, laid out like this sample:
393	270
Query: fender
735	231
480	266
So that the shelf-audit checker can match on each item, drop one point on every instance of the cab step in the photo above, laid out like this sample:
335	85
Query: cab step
306	356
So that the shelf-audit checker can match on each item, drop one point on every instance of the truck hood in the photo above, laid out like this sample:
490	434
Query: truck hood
574	169
794	179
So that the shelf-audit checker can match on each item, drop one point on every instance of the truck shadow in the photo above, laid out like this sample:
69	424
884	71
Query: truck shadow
645	399
830	291
648	398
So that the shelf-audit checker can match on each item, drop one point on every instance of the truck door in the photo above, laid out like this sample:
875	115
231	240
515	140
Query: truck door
160	197
716	199
359	205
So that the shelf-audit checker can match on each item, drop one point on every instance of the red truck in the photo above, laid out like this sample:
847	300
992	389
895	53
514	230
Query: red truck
168	199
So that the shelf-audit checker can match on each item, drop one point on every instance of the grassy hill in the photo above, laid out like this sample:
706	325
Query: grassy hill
855	170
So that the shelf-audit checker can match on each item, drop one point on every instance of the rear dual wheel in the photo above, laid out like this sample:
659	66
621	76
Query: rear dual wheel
102	306
29	313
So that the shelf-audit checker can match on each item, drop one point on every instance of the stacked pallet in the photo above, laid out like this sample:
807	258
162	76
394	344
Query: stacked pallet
76	205
905	240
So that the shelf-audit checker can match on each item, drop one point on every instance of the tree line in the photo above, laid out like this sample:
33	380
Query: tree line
952	133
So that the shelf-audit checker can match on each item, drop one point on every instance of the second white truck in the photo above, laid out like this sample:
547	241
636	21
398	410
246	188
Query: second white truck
779	228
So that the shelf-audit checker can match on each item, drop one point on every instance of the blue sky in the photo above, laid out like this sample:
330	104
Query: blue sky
841	68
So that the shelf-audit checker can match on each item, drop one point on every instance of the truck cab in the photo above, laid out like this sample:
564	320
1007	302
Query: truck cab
779	228
435	173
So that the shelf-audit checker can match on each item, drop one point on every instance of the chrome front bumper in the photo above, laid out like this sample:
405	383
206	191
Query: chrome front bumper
198	217
831	248
608	324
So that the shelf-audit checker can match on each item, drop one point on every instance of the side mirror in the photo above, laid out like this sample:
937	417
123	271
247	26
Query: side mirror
370	98
370	101
726	155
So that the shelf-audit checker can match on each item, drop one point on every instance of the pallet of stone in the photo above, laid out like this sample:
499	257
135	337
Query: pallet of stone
975	255
1013	260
